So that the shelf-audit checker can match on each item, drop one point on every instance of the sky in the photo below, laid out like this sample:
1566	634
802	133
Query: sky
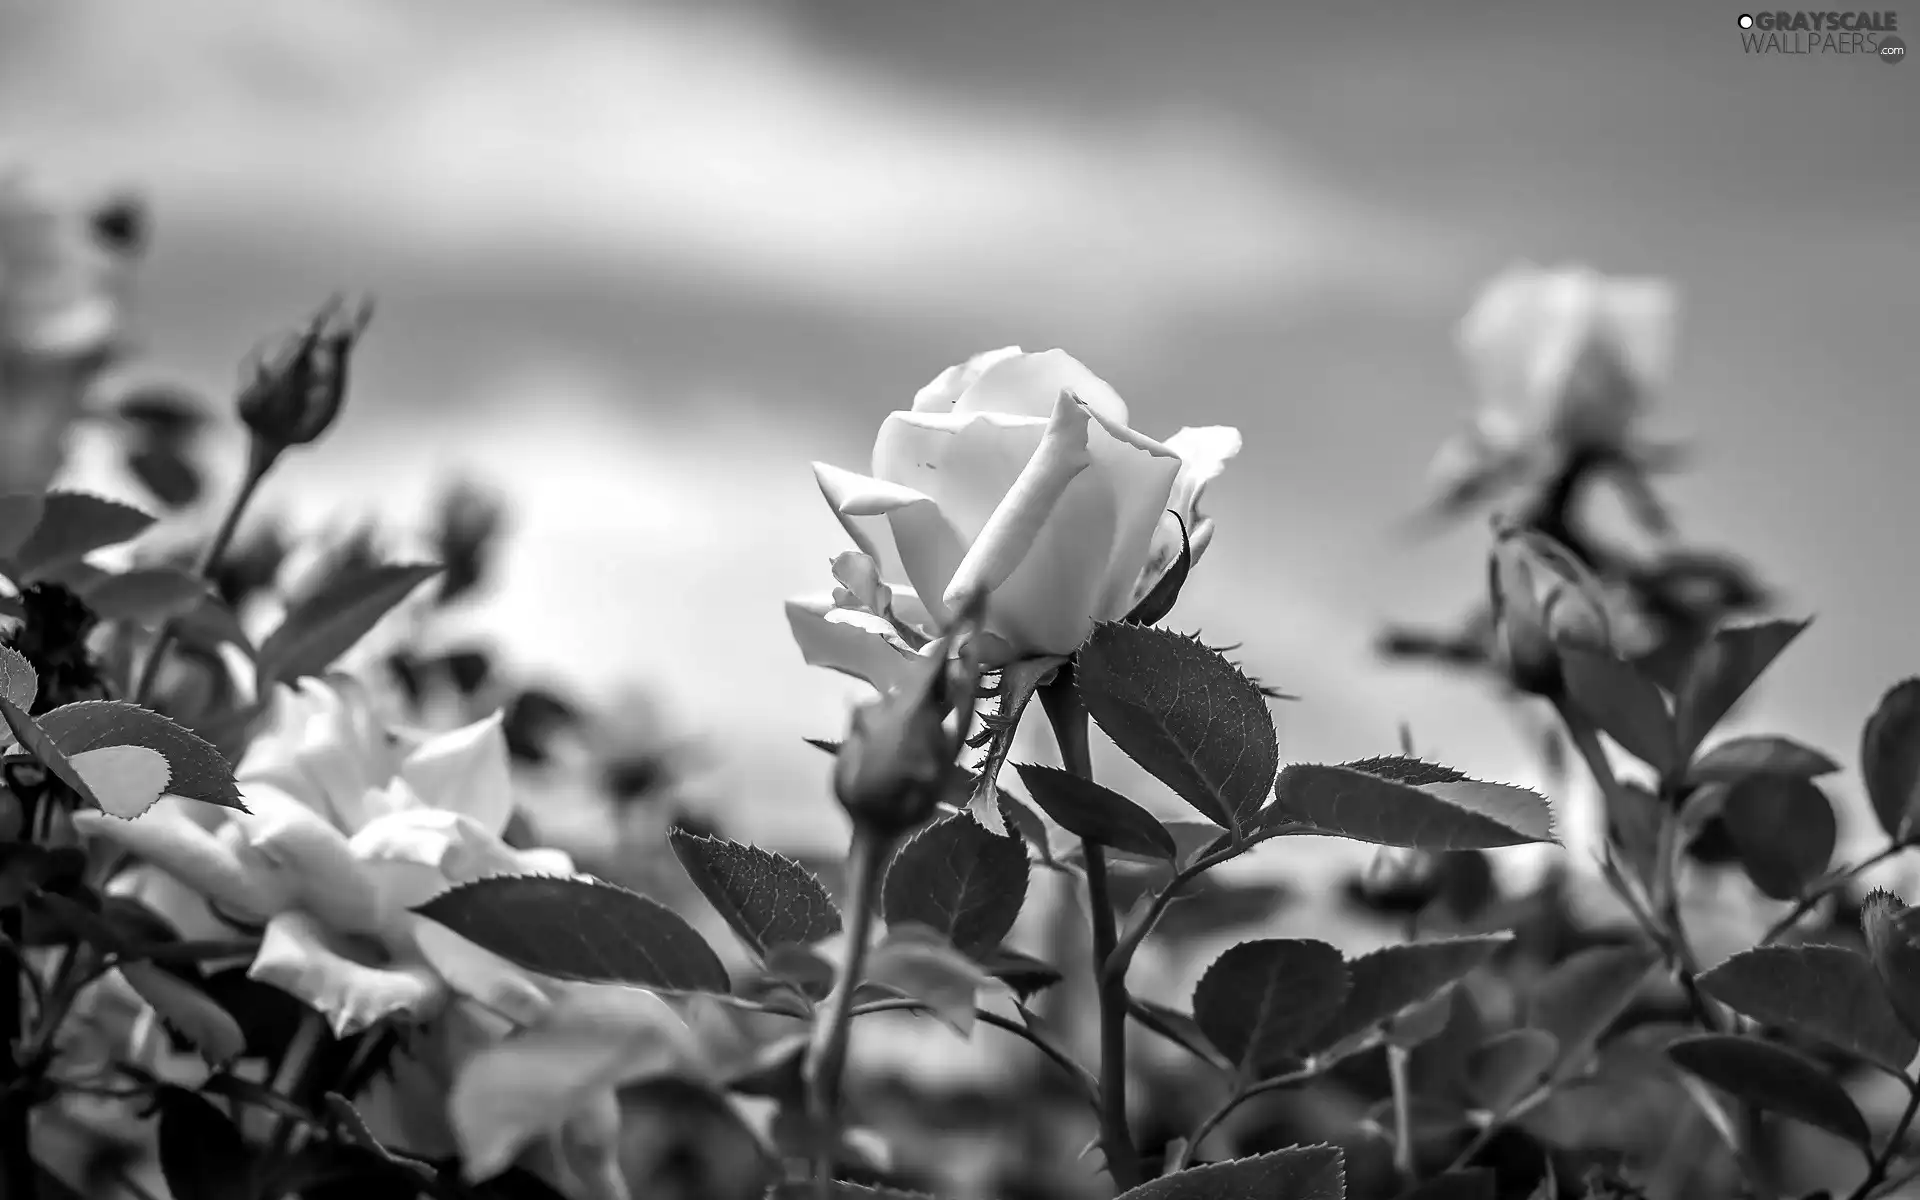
638	264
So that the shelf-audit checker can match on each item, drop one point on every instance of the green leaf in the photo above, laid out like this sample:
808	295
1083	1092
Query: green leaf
957	878
1178	1028
73	525
1721	672
1828	993
1737	758
36	741
1350	802
831	747
201	1152
1387	982
199	771
148	595
1186	714
1261	1001
211	624
580	929
1507	1067
1626	705
19	514
1087	810
1159	600
1784	830
766	898
918	963
1581	997
1890	759
18	681
327	624
1023	973
1775	1078
1474	1183
1883	921
1296	1173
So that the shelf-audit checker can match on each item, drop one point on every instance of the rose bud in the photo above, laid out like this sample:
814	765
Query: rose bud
298	387
1543	598
897	762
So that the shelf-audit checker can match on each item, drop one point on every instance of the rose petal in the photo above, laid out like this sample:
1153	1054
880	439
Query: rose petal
466	771
1027	385
180	846
947	386
313	857
410	857
185	909
471	970
1140	472
296	957
125	779
1008	536
535	1081
901	529
1644	318
843	645
1204	453
589	1147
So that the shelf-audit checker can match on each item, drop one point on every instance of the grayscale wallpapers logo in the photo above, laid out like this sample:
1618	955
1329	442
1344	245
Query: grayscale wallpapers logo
1866	34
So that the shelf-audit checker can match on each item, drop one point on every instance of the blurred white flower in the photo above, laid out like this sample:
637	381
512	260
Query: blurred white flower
353	824
1566	355
1018	474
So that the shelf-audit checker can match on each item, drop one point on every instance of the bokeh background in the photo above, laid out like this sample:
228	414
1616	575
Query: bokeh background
637	264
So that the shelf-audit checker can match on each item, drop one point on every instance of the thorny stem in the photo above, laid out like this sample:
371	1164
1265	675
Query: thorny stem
1673	944
1129	944
1877	1164
260	459
1067	713
1828	887
827	1058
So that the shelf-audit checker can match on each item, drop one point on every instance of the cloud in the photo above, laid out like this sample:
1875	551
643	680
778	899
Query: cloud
716	142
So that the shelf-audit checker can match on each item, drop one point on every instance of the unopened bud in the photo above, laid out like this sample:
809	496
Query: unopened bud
897	762
1544	599
298	386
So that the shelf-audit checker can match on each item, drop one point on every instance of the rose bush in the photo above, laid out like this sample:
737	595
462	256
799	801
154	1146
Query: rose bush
1018	474
353	824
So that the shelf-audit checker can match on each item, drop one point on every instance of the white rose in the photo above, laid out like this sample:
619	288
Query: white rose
1021	475
1567	355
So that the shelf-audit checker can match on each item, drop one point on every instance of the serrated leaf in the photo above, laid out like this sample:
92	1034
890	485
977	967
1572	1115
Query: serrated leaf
147	595
73	525
1087	810
199	771
957	878
35	741
18	681
188	1011
1890	759
125	780
1347	802
19	513
826	744
1626	705
919	963
1775	1078
1260	1001
1828	993
1474	1183
1159	600
1505	1068
766	898
1737	758
1296	1173
1580	998
1186	714
1895	956
201	1152
327	624
580	929
1722	671
1784	829
1388	981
